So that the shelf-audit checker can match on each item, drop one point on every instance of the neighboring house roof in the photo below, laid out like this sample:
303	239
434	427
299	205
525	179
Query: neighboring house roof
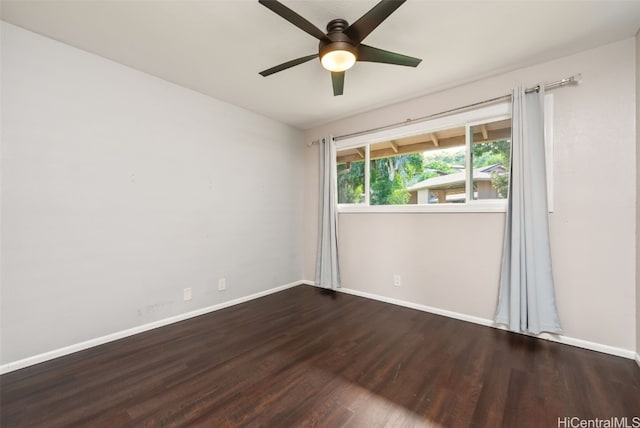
456	179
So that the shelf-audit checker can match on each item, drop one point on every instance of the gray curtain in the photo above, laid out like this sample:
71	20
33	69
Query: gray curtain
526	301
327	269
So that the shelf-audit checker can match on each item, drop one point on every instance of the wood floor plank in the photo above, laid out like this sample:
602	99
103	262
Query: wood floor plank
308	357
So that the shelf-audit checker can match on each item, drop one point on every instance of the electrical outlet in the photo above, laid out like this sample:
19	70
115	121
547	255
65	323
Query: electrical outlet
397	280
186	294
222	284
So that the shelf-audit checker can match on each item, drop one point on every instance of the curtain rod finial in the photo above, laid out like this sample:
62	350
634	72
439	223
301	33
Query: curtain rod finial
576	78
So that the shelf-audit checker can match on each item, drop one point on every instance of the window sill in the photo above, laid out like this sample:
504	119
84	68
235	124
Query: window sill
499	206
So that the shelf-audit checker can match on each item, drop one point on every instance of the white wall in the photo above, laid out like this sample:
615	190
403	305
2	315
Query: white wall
452	261
120	189
638	196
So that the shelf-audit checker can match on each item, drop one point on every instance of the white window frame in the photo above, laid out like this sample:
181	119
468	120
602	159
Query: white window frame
490	113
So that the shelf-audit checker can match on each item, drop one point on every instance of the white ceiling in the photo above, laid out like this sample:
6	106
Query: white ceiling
218	47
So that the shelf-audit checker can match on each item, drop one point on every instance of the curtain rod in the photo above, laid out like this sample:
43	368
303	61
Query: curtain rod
563	82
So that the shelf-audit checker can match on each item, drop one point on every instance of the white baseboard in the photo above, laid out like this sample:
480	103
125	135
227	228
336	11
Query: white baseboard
585	344
40	358
638	359
419	307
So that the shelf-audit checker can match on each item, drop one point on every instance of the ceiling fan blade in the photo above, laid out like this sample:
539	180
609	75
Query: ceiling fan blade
297	20
370	20
337	78
288	64
371	54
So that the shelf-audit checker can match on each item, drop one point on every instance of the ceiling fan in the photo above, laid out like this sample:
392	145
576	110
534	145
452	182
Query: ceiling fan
342	45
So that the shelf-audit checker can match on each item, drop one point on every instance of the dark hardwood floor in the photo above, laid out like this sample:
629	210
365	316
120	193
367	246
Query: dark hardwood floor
307	357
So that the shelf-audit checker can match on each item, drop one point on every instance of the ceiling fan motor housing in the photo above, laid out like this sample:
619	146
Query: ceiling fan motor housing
337	39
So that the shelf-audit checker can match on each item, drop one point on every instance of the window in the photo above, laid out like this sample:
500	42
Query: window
455	163
350	166
443	179
490	159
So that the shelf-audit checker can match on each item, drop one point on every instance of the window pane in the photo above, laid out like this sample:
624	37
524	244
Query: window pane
350	168
490	155
392	175
445	176
420	169
443	180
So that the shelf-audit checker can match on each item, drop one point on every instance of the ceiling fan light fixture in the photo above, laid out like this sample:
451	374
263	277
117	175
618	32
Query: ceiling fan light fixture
338	60
339	54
